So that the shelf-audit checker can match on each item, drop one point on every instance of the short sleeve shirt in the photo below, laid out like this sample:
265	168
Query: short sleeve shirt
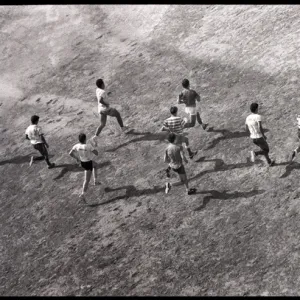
101	94
189	97
34	133
173	151
84	152
253	125
175	124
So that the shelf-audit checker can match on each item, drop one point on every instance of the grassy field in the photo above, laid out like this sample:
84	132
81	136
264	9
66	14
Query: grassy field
237	236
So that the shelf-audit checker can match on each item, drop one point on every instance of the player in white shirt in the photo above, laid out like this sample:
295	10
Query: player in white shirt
35	135
254	127
84	154
104	108
297	150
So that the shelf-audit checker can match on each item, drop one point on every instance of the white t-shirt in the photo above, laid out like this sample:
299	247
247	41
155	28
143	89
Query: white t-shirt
101	94
84	151
34	133
253	125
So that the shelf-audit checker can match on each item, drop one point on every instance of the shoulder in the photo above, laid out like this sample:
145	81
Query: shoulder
75	147
258	117
100	92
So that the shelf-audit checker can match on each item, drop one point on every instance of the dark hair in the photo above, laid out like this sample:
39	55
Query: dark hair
35	119
171	137
253	107
99	83
82	138
185	83
173	110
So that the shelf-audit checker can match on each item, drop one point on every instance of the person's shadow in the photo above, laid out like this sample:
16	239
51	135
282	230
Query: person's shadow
227	134
75	168
143	136
289	168
225	195
21	159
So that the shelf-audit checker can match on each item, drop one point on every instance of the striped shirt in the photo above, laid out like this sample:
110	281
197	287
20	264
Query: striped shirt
175	124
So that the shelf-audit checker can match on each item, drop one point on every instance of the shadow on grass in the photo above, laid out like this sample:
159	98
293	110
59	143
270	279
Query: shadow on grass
75	168
225	195
227	134
144	136
289	168
131	191
21	159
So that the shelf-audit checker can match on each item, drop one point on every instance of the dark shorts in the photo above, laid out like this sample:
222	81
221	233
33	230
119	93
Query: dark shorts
180	170
181	139
108	112
261	143
41	148
87	165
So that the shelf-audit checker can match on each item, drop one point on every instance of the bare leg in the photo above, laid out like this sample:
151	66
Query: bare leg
95	173
192	121
103	119
117	115
200	121
184	180
87	178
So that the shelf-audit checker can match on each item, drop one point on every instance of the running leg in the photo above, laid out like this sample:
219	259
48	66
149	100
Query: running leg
103	119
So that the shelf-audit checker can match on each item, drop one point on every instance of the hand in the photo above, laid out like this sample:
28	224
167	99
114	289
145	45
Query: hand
185	160
46	145
96	152
265	137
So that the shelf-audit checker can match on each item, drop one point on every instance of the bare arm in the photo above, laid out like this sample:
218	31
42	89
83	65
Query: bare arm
262	130
164	128
180	100
95	152
198	98
26	137
103	102
72	154
247	128
183	157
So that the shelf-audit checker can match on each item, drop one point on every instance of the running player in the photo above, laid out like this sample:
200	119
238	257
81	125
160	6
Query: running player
35	135
83	153
254	127
297	150
189	98
104	108
175	157
176	125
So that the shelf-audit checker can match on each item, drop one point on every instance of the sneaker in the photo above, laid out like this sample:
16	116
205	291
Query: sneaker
272	163
31	161
97	182
51	166
192	155
168	187
191	191
204	126
252	156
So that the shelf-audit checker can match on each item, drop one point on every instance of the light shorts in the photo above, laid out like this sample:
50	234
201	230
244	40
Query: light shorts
191	110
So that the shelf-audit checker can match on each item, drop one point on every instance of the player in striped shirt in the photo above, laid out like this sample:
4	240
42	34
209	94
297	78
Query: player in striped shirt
297	150
176	125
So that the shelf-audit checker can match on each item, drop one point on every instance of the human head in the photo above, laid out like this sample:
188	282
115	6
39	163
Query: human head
171	137
35	119
100	84
82	138
173	110
185	83
254	107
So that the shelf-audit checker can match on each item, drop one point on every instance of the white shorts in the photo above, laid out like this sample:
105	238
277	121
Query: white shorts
191	110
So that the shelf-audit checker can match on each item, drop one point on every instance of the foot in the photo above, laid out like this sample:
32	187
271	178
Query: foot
272	163
82	198
51	166
125	129
168	187
204	126
97	182
191	191
31	161
193	154
252	156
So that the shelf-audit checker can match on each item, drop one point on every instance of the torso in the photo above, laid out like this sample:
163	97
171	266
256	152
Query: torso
84	151
189	97
253	125
175	124
33	132
101	94
173	152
